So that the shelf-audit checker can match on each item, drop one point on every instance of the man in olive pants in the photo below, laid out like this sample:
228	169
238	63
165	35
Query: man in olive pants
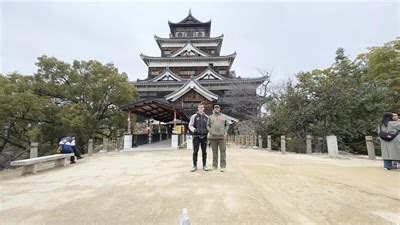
217	126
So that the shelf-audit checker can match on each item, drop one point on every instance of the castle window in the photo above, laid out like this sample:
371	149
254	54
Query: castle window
154	72
222	72
167	52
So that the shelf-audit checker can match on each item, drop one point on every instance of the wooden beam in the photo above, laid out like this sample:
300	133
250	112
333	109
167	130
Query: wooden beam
129	122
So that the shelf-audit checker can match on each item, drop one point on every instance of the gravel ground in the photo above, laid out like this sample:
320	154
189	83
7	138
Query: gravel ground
259	187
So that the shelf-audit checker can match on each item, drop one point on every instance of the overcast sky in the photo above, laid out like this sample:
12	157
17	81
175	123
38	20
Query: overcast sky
284	38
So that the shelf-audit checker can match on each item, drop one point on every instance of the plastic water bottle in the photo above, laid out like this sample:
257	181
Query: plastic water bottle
185	217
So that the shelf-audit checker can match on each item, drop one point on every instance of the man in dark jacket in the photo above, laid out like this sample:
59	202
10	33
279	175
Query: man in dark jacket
198	127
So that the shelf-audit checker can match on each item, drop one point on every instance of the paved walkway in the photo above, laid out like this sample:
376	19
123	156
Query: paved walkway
166	144
155	146
153	187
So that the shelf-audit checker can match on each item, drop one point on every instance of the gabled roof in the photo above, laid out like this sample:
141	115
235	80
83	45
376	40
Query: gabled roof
208	73
220	83
188	48
222	57
228	58
191	85
189	19
212	41
193	39
167	75
156	109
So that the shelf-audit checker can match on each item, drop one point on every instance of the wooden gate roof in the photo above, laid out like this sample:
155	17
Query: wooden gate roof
157	109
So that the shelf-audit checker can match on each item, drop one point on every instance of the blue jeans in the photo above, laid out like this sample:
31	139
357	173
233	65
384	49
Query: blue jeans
387	164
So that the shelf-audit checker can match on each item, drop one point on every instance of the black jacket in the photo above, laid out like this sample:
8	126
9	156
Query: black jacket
198	124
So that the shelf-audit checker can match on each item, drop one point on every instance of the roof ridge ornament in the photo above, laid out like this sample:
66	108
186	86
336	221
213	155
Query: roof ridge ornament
189	19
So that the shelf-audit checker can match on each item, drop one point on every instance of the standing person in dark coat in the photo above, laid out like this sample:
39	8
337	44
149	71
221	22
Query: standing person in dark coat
198	127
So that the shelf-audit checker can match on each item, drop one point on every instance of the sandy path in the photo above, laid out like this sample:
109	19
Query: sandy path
153	187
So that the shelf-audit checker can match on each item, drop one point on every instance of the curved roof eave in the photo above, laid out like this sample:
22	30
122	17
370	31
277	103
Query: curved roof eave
208	23
233	55
157	38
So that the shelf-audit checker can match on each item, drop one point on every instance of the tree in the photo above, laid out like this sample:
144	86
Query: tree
346	99
22	111
247	100
88	95
381	66
60	99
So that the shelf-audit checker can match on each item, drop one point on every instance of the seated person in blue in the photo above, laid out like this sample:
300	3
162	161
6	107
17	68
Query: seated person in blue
66	149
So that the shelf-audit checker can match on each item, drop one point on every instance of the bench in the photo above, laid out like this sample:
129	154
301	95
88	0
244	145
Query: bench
31	165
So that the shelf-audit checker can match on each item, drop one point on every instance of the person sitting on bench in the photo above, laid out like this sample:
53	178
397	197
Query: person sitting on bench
68	149
75	149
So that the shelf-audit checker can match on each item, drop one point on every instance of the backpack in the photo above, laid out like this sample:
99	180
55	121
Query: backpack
386	136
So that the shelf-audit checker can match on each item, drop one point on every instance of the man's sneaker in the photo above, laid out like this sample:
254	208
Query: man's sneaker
222	169
205	168
194	168
214	168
